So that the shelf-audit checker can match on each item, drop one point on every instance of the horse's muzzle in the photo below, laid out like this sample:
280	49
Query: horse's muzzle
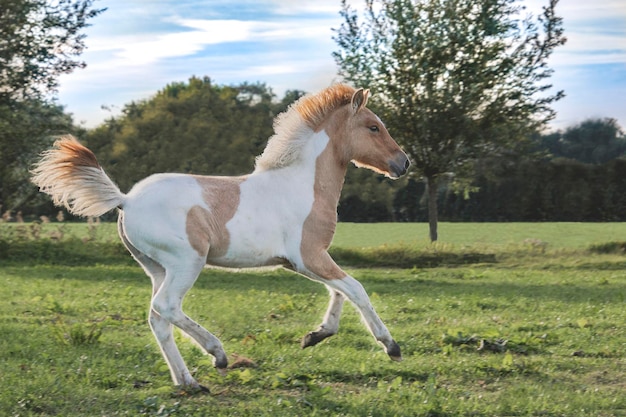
399	165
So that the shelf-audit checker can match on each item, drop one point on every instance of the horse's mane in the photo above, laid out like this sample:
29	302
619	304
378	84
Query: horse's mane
293	127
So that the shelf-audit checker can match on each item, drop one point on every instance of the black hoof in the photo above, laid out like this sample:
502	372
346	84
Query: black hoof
188	390
221	363
394	351
312	339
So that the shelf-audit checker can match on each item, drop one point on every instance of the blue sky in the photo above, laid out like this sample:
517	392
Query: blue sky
137	47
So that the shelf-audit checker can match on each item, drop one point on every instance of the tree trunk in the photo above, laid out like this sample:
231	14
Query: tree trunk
431	185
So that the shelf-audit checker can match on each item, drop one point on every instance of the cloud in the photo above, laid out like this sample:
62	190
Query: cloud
194	35
134	50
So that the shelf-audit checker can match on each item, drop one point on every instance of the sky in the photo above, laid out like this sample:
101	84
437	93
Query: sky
136	47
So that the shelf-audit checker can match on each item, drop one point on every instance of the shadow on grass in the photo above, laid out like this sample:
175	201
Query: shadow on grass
77	252
83	255
281	282
406	257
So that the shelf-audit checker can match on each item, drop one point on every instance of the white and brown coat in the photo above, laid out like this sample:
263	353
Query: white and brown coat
283	213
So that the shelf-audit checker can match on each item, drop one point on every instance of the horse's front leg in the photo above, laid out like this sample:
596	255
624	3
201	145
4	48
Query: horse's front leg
324	269
330	323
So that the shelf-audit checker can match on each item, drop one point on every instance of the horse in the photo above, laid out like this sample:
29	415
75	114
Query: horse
283	213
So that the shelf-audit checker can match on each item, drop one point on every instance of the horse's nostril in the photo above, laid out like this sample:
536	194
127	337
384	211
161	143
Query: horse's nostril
407	164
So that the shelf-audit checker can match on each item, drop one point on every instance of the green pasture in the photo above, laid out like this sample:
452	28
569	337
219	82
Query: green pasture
564	235
557	235
494	320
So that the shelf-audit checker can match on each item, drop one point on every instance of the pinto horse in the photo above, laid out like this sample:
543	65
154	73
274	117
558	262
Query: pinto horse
283	213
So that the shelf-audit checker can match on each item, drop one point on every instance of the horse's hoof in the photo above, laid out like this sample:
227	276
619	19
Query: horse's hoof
394	352
193	390
221	364
313	338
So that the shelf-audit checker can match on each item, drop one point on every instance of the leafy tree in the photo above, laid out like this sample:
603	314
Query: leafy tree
39	41
455	80
26	128
366	198
191	127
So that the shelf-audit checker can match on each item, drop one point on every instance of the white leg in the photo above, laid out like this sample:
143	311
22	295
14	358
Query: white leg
322	268
167	303
163	332
162	329
354	291
330	323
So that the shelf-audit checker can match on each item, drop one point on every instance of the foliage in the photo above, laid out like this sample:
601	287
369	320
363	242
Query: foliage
55	244
560	313
40	42
593	141
544	190
454	79
26	129
195	127
367	197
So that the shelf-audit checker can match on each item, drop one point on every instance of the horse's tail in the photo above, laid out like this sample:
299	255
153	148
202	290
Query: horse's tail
71	175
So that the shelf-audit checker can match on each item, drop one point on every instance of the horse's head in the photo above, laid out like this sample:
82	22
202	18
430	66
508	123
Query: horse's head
363	138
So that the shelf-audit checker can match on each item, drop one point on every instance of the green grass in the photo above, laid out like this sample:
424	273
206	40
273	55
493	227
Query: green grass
531	331
554	235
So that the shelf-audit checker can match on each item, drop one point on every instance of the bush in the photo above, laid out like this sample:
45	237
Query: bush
608	248
403	256
33	244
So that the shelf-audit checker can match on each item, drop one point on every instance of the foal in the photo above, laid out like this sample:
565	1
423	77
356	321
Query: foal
283	213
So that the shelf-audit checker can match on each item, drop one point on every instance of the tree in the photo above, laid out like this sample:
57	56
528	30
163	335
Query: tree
455	80
26	128
39	41
192	127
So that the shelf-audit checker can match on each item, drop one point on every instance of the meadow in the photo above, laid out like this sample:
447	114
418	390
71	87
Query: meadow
496	319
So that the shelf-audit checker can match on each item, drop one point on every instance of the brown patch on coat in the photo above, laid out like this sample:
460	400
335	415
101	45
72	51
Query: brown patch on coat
198	229
206	228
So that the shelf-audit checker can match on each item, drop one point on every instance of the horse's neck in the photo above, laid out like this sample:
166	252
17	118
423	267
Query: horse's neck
319	166
330	173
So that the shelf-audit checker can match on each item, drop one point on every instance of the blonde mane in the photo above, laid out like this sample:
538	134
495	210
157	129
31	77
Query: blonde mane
293	127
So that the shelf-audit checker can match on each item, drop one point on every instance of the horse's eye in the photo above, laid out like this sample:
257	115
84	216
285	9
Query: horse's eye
374	129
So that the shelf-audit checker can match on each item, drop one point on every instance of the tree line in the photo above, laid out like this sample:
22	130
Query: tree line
442	71
198	127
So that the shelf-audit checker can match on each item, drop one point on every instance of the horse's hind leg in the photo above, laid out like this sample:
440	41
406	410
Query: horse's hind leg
164	333
161	328
330	323
167	304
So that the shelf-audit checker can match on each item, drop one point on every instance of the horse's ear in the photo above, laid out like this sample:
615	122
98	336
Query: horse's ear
359	99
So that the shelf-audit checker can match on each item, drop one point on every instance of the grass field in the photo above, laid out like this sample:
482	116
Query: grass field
533	325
